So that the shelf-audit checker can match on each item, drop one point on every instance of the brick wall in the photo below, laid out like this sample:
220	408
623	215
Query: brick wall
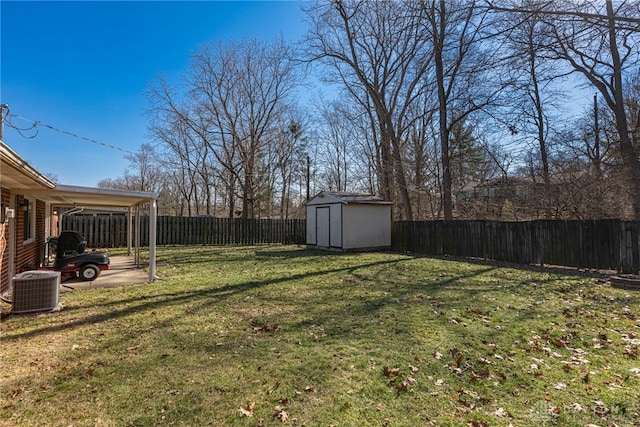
4	236
27	254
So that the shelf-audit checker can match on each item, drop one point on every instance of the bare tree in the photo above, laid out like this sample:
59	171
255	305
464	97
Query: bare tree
600	43
336	138
290	158
220	128
632	105
457	31
533	88
378	52
241	90
143	173
598	48
181	133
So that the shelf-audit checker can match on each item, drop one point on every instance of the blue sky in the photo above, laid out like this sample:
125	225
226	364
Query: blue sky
83	67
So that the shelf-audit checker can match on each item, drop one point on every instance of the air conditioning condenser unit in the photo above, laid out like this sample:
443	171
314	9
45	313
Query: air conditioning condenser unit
37	290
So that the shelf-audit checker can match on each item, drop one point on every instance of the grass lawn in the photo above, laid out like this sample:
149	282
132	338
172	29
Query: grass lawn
278	335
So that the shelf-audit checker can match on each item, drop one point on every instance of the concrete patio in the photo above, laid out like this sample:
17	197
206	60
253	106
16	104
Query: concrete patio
122	272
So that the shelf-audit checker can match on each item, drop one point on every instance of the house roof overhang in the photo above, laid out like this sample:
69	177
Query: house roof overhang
22	178
17	173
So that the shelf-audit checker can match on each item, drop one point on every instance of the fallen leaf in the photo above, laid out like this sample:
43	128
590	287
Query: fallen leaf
89	372
266	328
559	342
401	387
248	411
601	411
576	407
500	412
484	373
281	414
390	372
472	393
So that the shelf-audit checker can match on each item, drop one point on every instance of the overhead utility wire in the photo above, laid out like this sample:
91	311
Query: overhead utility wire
20	130
36	123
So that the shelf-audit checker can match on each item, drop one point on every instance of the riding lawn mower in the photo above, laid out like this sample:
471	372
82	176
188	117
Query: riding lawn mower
71	258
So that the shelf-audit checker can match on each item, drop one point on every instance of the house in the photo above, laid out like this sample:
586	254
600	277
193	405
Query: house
27	213
23	219
500	189
348	221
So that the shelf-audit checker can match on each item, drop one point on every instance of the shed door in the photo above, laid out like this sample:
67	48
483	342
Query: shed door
322	226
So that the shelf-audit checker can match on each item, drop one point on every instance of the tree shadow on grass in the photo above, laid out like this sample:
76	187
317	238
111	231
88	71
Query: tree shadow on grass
157	301
553	269
367	306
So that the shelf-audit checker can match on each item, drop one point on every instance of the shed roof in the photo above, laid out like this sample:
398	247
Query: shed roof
349	198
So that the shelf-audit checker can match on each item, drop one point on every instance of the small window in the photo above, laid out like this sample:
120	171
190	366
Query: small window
29	219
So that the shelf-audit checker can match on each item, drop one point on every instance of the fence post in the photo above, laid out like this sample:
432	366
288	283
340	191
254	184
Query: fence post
630	247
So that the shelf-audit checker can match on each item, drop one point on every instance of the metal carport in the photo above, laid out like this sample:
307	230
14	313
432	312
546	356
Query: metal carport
88	197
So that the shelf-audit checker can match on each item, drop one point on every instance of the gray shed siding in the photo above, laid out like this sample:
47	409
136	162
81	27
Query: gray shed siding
348	221
366	226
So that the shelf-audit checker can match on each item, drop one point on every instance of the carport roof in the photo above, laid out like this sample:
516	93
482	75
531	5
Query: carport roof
22	178
69	195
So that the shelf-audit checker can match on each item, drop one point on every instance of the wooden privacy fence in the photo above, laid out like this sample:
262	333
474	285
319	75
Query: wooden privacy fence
110	231
604	244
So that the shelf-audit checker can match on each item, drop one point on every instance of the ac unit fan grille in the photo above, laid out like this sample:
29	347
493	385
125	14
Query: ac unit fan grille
36	291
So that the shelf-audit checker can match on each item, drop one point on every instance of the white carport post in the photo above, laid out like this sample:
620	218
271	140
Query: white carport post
153	221
137	243
129	230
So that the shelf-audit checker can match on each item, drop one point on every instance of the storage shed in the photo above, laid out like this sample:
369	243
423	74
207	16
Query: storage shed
348	221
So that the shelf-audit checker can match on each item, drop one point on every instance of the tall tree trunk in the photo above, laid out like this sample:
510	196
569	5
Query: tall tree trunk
447	200
541	129
630	161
